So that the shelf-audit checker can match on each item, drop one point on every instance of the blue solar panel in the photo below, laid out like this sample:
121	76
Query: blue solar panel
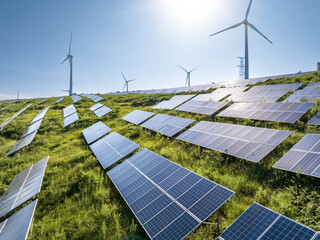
70	119
95	132
102	111
137	116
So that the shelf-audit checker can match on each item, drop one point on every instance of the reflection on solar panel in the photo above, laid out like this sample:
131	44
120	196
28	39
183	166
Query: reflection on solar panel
259	222
250	143
173	102
76	98
202	107
258	95
168	200
218	94
137	116
5	123
31	128
23	187
304	157
69	110
70	119
17	226
59	100
94	98
102	111
23	142
40	115
277	112
309	94
96	106
291	87
95	131
112	148
315	120
167	125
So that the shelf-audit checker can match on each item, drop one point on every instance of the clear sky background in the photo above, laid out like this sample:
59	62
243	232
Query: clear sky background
146	39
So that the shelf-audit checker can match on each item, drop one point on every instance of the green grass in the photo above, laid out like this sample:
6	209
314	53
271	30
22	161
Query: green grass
79	201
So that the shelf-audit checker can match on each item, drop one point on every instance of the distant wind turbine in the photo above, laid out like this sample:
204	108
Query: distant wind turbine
246	24
126	82
69	57
188	75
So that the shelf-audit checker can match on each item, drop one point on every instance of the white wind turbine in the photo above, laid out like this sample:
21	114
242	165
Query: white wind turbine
188	75
69	57
126	82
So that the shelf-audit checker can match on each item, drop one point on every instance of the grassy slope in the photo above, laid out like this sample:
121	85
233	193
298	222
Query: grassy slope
79	201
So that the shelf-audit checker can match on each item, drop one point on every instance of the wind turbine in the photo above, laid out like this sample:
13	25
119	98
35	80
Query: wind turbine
188	75
246	24
69	57
126	82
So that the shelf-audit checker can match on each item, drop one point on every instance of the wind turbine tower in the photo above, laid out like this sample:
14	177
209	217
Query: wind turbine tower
126	84
18	95
188	75
246	25
69	57
241	67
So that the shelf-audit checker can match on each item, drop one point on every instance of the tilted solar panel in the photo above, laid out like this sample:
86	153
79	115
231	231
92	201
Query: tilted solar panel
97	99
23	187
70	119
290	87
250	143
267	95
5	123
315	120
168	200
166	124
202	107
76	98
259	222
218	94
16	227
59	100
277	112
137	116
40	115
112	148
173	102
95	132
69	110
96	106
31	128
102	111
23	142
304	157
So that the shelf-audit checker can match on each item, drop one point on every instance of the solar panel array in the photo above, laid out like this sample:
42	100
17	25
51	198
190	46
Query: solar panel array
24	186
304	157
257	96
250	143
137	116
6	107
95	132
173	102
29	134
94	98
43	101
112	148
70	115
259	222
167	125
59	100
309	94
17	226
315	120
5	123
202	107
76	98
218	94
277	112
291	87
168	200
100	110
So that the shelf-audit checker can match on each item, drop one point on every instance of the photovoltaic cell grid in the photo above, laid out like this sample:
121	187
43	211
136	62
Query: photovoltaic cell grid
218	94
258	95
315	120
168	200
100	110
310	93
173	102
23	187
137	116
70	119
5	123
76	98
112	148
167	125
23	142
290	87
304	157
250	143
94	98
40	115
277	112
69	110
259	222
17	226
95	132
202	107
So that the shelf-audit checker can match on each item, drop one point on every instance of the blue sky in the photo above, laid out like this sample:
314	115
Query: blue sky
146	39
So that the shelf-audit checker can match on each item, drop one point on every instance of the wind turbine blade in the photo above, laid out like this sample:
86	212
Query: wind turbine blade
65	90
194	69
248	10
183	69
65	60
124	86
124	77
234	26
70	43
131	80
254	28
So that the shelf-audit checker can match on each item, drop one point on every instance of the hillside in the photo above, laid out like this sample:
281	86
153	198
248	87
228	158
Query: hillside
79	201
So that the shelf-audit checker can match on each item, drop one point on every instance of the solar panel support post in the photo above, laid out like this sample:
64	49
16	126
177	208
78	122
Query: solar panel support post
218	221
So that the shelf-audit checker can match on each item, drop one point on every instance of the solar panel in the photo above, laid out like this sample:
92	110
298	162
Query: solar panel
23	187
168	200
267	95
219	94
32	128
304	157
5	123
259	222
102	111
167	125
70	119
95	131
69	110
112	148
290	87
97	99
173	102
23	142
315	120
96	106
277	112
202	107
40	115
6	107
59	100
137	116
76	98
17	226
250	143
43	101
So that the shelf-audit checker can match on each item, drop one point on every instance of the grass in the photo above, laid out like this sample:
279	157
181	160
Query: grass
79	201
